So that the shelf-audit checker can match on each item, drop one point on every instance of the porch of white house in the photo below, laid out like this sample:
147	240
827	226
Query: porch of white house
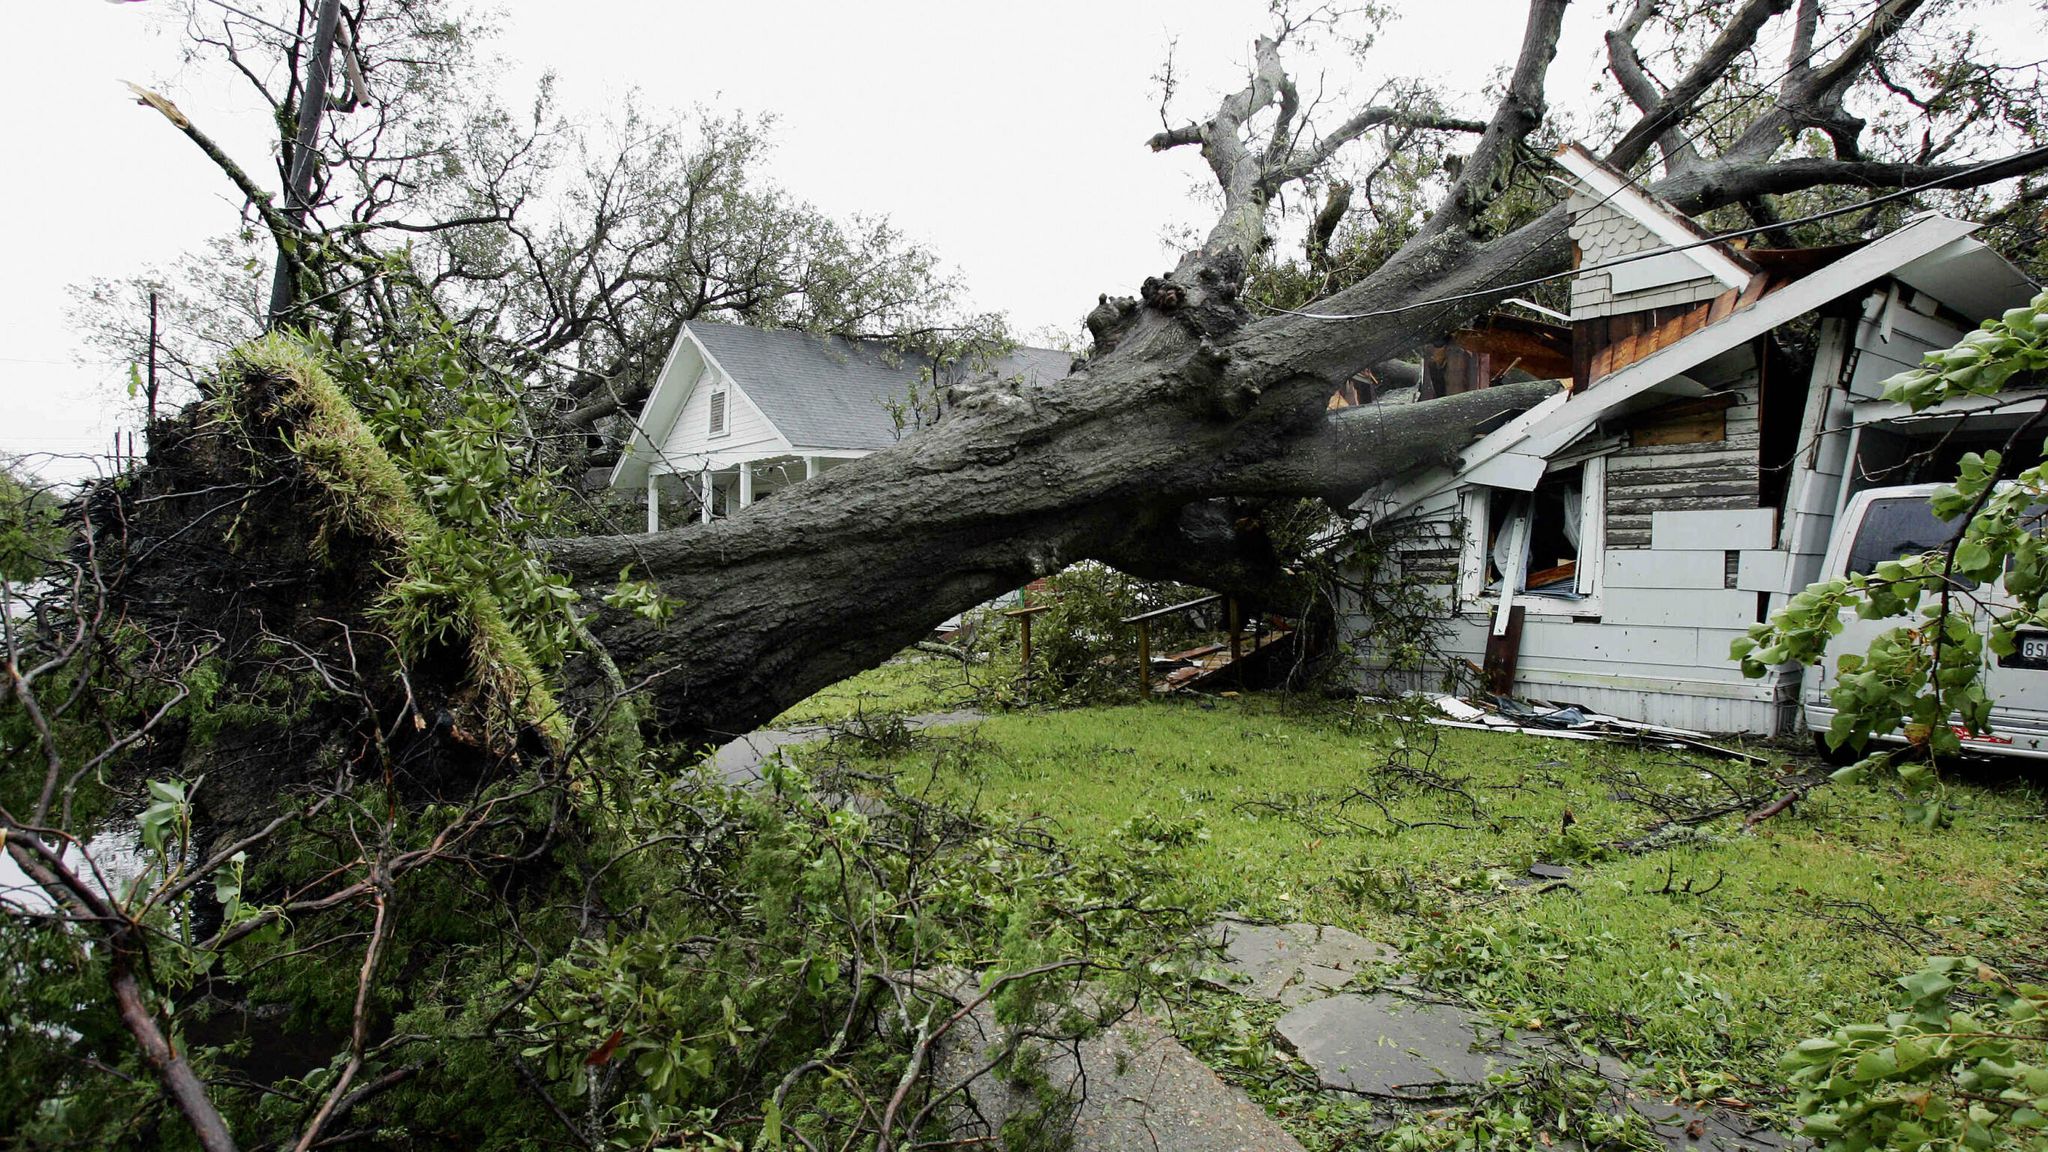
677	495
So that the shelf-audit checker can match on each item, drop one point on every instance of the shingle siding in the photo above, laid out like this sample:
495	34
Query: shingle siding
1604	233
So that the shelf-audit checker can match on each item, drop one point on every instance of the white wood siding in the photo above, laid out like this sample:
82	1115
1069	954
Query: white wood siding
1891	338
691	446
1814	490
1682	527
1676	672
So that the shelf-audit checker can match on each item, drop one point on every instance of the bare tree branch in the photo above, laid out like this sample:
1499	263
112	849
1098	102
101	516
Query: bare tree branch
1305	162
1664	112
1519	113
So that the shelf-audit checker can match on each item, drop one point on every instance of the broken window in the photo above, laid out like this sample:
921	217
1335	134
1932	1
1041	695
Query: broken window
1545	539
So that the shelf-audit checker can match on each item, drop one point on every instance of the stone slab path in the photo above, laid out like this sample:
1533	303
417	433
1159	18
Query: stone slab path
1350	1023
1293	963
1388	1045
1132	1087
739	761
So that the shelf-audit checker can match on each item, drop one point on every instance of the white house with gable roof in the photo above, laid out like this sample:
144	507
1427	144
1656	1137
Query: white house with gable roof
739	414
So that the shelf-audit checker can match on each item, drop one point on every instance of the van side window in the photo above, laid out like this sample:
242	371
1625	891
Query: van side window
2034	522
1898	527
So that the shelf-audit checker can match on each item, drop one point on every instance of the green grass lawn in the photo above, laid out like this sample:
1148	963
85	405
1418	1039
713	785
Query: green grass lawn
1701	959
910	684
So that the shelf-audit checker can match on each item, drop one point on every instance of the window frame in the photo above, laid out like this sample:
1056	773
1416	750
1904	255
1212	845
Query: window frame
1475	507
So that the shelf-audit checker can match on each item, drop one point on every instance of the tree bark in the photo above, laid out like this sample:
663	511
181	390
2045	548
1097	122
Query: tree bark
1118	463
1189	401
298	186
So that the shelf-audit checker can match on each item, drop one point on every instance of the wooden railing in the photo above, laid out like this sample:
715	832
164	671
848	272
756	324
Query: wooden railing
1144	622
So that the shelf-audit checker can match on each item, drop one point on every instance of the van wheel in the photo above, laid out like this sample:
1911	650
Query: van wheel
1840	757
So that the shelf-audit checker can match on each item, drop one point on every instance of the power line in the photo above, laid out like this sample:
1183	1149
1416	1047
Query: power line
1860	206
1628	182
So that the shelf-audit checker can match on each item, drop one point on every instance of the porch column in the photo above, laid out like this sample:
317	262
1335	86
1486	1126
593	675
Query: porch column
653	501
810	467
706	491
746	483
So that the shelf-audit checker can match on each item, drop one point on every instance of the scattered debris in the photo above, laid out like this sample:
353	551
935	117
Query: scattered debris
1207	665
1458	710
1759	795
1570	722
1542	871
1682	1126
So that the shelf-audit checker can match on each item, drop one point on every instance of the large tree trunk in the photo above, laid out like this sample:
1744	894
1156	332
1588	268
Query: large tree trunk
1186	403
1130	461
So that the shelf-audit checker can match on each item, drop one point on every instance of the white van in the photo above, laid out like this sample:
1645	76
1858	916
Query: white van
1882	524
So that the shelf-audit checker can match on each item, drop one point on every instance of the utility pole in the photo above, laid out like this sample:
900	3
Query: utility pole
149	385
306	145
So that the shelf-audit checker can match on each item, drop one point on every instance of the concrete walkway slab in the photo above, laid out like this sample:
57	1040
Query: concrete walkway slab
739	761
1388	1045
1293	963
1130	1088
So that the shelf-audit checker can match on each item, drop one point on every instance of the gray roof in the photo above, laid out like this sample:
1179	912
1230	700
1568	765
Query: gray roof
832	391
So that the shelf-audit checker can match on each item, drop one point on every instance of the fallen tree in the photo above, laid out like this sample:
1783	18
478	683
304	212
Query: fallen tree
1188	401
314	624
1191	408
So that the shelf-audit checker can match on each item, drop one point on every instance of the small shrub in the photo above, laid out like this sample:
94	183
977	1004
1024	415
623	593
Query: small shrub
1081	650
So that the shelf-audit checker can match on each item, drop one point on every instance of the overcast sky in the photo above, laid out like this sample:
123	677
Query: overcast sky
1006	136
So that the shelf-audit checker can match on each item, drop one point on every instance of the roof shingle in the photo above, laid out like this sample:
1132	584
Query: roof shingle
834	392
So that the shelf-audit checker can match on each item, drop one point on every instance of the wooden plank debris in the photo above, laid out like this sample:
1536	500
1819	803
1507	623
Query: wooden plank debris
1576	724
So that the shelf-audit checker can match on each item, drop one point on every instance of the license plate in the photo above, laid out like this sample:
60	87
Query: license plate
2029	650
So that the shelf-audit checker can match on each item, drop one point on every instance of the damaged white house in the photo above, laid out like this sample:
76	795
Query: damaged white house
1604	548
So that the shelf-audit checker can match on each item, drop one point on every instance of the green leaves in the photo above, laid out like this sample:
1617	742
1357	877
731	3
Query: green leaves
227	888
164	824
643	598
1981	363
1930	1075
30	535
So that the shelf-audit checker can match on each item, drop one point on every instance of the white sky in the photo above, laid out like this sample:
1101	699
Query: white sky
1007	136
